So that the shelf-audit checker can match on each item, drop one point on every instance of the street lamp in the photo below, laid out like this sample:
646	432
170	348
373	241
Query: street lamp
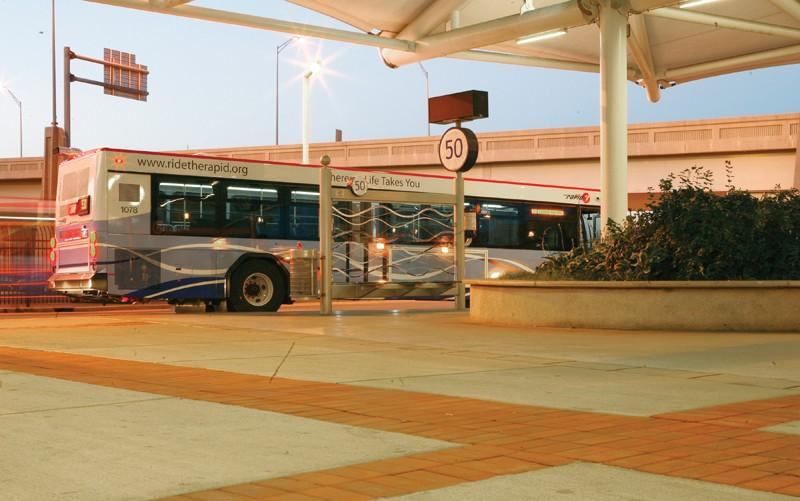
278	51
19	105
314	68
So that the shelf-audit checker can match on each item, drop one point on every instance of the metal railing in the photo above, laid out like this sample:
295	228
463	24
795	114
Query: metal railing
25	264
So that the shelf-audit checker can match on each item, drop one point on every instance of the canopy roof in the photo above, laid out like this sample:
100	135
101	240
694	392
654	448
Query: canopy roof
671	41
656	43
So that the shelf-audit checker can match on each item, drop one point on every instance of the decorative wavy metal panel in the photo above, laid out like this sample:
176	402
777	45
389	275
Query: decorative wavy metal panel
392	242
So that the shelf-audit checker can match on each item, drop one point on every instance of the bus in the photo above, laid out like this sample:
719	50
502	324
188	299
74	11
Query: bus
135	226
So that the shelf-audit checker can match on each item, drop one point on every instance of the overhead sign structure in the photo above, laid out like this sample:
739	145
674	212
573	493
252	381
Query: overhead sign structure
458	149
122	76
458	107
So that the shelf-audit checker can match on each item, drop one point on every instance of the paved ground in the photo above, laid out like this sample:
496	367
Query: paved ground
366	404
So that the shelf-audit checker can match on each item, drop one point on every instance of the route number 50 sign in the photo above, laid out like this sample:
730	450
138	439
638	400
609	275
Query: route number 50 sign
458	149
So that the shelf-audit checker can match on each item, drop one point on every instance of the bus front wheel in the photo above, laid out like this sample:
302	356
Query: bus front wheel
257	285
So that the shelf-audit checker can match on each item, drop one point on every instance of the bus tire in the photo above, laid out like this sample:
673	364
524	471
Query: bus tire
256	285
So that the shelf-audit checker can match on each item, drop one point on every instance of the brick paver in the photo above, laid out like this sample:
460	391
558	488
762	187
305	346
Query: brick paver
719	444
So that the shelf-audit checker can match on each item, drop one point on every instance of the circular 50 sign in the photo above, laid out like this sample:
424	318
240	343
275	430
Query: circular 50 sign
458	149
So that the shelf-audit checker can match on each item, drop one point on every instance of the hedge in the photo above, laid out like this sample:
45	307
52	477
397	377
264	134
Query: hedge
691	233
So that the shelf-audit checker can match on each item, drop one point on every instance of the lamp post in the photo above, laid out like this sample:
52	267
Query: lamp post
427	91
54	123
19	105
314	68
278	51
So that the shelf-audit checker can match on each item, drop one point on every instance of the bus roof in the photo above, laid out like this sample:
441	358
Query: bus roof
355	169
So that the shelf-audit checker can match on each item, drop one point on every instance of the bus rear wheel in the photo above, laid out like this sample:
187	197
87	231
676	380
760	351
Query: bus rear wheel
257	285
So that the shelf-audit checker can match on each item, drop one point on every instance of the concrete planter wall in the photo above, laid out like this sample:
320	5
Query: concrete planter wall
702	306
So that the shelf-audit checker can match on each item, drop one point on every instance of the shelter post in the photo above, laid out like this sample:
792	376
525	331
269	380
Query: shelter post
325	237
614	114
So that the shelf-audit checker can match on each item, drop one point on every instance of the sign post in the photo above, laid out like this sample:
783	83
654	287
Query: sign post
460	243
458	152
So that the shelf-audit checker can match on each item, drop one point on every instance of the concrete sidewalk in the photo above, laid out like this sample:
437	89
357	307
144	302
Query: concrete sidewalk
370	404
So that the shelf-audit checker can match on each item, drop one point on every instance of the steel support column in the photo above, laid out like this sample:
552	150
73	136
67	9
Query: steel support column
614	114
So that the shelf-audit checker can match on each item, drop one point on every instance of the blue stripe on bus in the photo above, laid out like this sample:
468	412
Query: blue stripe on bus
206	291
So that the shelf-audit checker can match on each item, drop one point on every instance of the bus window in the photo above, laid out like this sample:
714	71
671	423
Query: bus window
185	206
498	224
252	210
73	185
590	219
304	214
551	228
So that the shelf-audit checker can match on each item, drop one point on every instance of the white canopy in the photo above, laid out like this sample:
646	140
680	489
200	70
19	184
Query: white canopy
655	43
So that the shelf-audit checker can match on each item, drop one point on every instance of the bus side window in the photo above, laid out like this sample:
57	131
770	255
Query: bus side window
304	213
251	210
551	228
499	224
590	225
185	206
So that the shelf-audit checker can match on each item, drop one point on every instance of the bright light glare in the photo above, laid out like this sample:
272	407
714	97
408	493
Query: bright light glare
695	3
315	66
495	274
541	36
27	218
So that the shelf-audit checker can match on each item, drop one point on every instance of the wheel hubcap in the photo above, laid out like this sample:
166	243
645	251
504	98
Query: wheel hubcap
257	289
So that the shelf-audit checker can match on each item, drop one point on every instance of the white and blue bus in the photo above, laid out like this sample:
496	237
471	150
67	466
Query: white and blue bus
139	226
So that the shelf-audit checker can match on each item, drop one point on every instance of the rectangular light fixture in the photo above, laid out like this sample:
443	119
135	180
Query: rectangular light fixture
695	3
541	36
252	190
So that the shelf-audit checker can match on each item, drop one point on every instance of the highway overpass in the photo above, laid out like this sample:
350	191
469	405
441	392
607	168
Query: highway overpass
763	151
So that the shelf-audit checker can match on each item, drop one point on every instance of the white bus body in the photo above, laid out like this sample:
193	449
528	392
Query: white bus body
136	225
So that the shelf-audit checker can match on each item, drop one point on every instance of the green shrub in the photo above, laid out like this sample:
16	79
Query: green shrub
691	233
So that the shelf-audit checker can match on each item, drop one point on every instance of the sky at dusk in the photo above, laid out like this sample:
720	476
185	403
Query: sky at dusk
213	85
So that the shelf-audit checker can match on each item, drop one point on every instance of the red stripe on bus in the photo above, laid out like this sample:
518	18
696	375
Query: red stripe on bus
517	183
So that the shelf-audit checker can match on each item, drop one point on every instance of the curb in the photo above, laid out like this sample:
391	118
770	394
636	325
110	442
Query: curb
67	308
